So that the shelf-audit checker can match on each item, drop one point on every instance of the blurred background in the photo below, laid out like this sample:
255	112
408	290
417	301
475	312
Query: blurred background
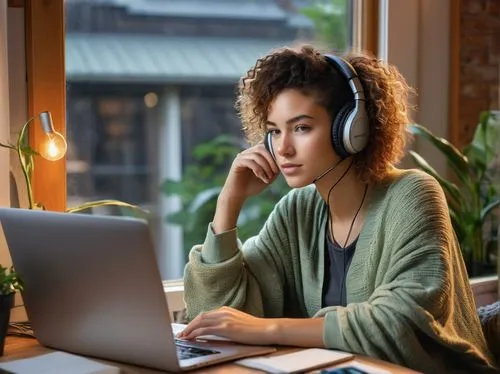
150	102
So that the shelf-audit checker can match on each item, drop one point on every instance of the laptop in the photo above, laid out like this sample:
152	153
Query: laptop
92	287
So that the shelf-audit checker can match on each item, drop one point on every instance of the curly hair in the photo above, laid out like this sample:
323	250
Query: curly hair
306	69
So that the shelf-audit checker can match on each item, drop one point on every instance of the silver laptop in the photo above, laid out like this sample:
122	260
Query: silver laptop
92	287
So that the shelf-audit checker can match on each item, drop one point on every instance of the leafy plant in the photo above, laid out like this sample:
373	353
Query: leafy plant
25	154
330	22
471	192
9	281
200	187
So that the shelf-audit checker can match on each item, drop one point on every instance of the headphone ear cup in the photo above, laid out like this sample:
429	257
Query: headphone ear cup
338	126
268	143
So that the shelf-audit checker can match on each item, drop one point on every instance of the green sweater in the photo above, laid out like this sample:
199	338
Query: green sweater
409	300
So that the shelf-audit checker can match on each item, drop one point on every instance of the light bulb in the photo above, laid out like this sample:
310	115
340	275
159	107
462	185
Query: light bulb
53	146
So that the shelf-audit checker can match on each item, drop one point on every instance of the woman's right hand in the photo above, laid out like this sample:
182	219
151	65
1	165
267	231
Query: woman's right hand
251	172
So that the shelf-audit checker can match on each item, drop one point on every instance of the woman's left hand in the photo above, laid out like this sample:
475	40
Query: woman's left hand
232	324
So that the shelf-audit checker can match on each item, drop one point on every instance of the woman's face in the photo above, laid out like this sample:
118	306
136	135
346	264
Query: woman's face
301	137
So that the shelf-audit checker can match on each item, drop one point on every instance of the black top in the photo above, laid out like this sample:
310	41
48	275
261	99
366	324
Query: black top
337	261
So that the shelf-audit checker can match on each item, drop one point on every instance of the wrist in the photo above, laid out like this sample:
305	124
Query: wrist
227	212
228	197
273	331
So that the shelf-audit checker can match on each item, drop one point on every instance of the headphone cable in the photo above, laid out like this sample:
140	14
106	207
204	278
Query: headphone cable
345	243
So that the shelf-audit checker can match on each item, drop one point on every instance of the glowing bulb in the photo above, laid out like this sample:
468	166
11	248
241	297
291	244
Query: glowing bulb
53	146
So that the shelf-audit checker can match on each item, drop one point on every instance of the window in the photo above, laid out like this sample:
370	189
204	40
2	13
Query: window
150	98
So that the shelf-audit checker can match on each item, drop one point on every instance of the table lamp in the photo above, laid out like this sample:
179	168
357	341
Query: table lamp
52	147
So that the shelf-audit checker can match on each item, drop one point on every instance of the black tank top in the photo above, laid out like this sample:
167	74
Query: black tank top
337	261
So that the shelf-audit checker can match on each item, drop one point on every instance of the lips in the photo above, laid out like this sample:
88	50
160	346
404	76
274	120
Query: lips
289	168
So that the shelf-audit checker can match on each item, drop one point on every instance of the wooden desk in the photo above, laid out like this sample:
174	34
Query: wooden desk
18	347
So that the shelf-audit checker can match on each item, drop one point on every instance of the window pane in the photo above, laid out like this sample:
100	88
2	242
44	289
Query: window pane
150	103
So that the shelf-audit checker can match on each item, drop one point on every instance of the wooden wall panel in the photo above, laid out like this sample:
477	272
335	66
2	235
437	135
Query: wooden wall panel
46	83
15	3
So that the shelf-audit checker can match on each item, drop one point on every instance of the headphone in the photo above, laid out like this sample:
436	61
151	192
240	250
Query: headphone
350	128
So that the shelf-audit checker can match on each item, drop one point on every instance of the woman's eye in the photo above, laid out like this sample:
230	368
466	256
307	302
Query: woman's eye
273	132
302	128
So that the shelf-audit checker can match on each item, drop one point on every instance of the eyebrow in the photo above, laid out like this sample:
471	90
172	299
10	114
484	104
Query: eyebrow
292	120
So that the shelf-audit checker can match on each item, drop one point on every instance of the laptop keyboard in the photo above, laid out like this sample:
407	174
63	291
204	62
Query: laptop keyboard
185	352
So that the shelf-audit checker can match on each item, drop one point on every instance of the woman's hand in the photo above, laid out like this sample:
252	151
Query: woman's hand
232	324
244	328
252	171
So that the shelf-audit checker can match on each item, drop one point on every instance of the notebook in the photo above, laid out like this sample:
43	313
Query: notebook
93	288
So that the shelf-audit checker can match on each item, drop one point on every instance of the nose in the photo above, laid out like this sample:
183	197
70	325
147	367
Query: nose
285	146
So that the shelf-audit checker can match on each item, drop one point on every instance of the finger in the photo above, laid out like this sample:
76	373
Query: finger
190	326
199	329
255	167
263	151
263	164
200	320
202	331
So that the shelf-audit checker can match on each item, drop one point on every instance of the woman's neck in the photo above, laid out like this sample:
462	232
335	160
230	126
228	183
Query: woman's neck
345	198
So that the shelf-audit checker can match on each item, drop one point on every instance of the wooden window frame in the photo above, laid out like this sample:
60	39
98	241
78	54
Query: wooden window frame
46	90
366	26
453	115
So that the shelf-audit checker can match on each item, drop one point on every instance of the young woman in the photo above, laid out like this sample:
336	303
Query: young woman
359	256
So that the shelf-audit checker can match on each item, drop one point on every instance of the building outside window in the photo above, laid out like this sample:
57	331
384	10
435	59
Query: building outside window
150	97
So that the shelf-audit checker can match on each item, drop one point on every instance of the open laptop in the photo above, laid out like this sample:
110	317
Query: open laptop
92	287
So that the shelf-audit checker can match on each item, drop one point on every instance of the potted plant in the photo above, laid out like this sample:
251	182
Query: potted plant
471	189
9	284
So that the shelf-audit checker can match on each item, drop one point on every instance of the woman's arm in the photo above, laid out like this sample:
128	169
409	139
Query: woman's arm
245	328
217	274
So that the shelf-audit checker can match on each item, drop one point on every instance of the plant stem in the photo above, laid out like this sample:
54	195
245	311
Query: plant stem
27	178
24	166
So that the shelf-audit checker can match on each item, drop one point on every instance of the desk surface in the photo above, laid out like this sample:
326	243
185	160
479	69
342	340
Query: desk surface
18	347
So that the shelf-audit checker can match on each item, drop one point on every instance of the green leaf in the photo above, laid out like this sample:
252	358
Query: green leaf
29	164
27	150
100	203
9	146
10	281
476	157
455	158
204	197
488	209
172	187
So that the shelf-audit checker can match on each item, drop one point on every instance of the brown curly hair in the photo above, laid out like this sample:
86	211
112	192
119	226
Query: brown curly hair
306	69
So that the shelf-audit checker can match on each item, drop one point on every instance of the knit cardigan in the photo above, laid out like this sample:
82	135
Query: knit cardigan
409	299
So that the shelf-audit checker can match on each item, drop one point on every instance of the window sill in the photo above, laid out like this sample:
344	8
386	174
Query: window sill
174	292
485	290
